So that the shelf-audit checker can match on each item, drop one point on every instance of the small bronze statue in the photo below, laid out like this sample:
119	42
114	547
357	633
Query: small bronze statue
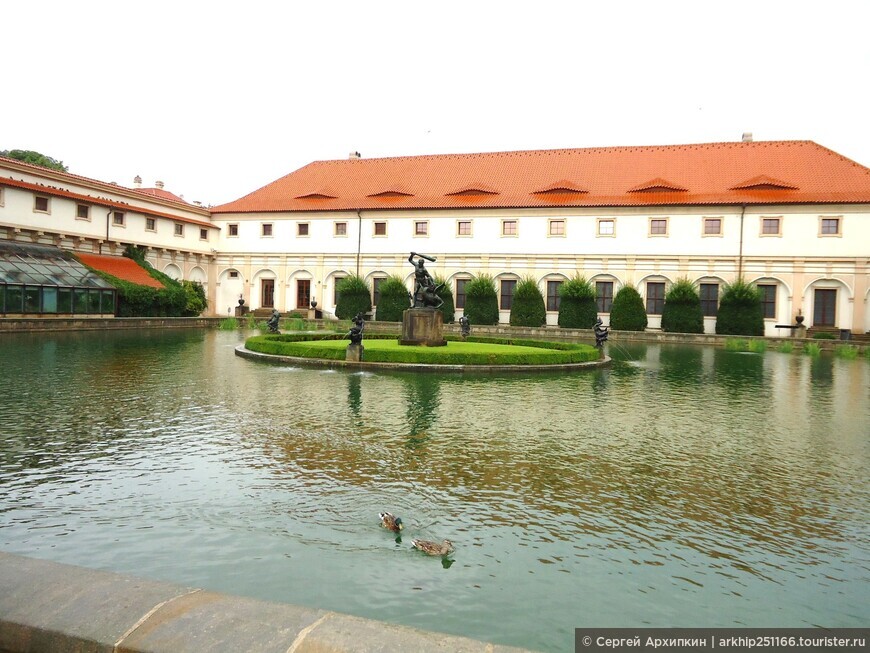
273	321
425	289
356	331
464	326
600	333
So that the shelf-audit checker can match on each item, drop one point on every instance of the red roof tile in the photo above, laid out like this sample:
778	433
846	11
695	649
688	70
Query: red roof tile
124	268
710	173
160	193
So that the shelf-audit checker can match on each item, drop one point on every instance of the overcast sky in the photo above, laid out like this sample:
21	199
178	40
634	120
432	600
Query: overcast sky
218	99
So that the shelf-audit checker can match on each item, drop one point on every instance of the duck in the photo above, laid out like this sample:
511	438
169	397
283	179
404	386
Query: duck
391	522
433	548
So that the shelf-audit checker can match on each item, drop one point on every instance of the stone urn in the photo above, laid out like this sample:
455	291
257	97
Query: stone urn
799	318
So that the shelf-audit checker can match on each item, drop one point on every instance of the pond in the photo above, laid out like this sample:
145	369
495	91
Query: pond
682	486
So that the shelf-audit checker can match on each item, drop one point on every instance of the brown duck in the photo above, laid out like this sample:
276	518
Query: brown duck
391	522
433	548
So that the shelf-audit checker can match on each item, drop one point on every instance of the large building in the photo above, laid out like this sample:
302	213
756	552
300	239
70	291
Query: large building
790	216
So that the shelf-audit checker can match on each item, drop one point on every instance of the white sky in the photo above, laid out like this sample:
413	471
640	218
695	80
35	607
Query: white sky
220	98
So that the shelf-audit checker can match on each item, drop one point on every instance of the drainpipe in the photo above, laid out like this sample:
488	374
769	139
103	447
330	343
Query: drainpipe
740	256
358	239
108	215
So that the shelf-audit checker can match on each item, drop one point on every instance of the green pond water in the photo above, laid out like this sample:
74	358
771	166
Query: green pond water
681	486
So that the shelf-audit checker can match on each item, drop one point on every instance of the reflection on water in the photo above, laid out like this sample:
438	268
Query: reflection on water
679	487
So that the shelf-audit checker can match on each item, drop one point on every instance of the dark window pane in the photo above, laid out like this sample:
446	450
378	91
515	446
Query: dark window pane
93	301
553	298
768	300
604	295
80	300
507	293
107	304
14	298
31	299
460	292
655	298
64	300
709	299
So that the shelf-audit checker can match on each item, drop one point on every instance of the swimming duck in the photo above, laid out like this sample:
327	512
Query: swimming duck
391	522
433	548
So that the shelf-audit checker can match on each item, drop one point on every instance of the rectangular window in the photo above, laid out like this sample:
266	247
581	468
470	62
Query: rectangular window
118	221
557	227
232	230
302	229
179	229
266	230
150	224
2	202
770	226
303	293
376	289
463	228
31	299
203	234
507	293
768	300
709	299
607	227
830	227
655	297
335	293
553	298
64	300
712	226
14	298
83	212
604	295
380	228
234	274
508	227
40	204
49	300
107	303
658	227
421	228
340	229
460	293
80	300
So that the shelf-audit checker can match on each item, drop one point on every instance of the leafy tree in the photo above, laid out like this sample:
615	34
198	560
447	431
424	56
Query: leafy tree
35	158
528	307
481	300
196	299
393	299
682	311
740	310
448	308
354	296
627	313
578	308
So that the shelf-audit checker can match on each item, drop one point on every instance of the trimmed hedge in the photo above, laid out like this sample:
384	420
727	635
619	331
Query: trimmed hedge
385	348
682	311
481	301
354	296
578	308
740	310
627	313
528	307
448	308
393	300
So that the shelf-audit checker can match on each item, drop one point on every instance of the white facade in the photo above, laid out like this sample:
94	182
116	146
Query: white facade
798	250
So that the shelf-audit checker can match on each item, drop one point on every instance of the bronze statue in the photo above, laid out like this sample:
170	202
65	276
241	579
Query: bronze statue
464	326
273	321
356	331
425	289
600	333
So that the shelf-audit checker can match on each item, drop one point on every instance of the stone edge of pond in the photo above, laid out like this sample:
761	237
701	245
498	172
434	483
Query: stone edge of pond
242	351
50	606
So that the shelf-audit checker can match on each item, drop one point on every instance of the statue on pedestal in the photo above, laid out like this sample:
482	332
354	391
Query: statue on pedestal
464	326
600	333
425	289
273	321
356	331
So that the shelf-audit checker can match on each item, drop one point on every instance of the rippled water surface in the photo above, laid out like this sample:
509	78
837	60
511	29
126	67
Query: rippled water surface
680	487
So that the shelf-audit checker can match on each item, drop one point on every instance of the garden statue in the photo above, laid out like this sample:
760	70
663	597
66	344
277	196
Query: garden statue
600	333
464	326
273	321
356	331
425	290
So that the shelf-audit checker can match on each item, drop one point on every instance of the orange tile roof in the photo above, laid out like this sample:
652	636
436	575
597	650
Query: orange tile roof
764	172
121	267
162	194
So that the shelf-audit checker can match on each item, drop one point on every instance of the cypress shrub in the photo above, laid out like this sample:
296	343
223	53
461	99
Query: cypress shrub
448	308
393	300
627	312
354	296
740	310
481	300
528	307
682	312
578	308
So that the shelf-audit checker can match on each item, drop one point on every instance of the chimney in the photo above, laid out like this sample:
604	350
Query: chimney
137	182
354	155
747	137
158	184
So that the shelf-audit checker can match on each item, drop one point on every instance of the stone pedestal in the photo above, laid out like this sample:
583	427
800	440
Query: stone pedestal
354	353
423	327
